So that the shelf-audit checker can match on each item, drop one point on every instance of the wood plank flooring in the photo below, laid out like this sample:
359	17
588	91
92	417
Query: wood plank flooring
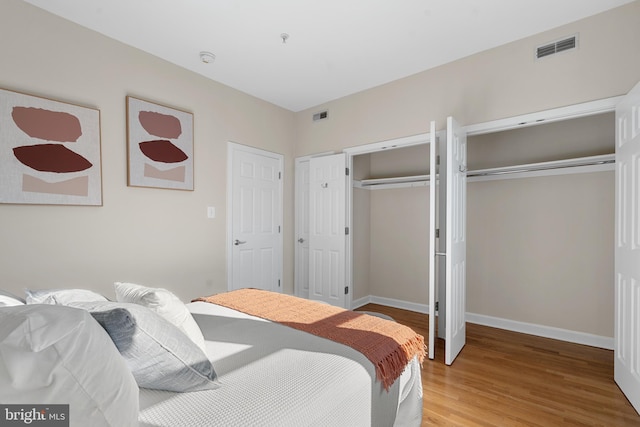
504	378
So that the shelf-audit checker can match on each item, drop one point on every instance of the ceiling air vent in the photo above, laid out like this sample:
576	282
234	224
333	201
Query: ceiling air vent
556	47
322	115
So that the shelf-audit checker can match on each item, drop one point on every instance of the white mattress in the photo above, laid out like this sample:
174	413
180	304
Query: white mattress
273	375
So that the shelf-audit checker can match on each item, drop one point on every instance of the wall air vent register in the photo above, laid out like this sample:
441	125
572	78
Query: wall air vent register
322	115
563	45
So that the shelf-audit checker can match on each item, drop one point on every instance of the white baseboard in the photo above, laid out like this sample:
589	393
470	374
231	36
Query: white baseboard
357	303
390	302
500	323
542	331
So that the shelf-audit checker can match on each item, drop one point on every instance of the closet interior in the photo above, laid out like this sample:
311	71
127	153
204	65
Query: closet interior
540	205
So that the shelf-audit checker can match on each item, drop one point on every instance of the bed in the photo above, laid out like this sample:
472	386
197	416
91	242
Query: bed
266	374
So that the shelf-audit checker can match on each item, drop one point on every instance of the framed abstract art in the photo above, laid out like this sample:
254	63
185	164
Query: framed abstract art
159	146
49	151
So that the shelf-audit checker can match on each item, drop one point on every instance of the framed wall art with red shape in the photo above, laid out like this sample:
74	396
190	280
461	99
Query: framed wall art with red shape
159	146
49	151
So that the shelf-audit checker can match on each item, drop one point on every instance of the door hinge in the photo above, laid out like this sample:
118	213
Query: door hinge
346	171
278	282
437	233
437	305
279	229
346	290
279	175
346	231
437	160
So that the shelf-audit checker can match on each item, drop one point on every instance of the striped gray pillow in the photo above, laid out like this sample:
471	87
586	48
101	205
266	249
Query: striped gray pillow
159	354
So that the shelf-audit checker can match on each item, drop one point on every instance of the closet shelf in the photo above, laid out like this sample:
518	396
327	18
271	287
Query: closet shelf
599	163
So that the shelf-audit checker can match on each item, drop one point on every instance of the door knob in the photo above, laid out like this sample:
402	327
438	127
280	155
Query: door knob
239	242
301	240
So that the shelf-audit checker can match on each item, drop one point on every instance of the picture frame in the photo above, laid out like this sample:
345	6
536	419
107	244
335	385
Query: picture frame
50	151
159	146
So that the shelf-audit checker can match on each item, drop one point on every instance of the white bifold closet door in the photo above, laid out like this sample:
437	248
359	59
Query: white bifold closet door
450	184
456	235
627	248
433	180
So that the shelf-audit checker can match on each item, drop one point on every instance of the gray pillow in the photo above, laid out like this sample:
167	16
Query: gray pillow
159	355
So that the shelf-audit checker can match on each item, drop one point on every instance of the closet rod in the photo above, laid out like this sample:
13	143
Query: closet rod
535	167
420	180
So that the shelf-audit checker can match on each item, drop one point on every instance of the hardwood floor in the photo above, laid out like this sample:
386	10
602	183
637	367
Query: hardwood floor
504	378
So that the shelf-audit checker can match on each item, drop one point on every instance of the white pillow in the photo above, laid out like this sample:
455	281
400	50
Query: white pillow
61	296
53	354
166	304
158	354
9	300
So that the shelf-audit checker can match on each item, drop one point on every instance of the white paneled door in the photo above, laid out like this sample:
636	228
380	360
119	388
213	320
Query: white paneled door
627	248
456	240
327	229
255	229
302	228
433	184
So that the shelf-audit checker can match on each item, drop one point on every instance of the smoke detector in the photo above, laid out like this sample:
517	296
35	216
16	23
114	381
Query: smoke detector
207	57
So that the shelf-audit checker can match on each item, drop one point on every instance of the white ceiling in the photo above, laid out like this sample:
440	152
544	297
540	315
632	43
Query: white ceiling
335	48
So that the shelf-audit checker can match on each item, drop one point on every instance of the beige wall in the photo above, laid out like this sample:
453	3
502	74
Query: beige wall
559	270
582	137
361	230
540	250
400	244
151	236
501	82
408	161
362	235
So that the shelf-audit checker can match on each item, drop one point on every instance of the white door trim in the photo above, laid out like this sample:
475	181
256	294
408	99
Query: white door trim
232	147
575	111
405	141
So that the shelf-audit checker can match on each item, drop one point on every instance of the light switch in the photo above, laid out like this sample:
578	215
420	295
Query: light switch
211	212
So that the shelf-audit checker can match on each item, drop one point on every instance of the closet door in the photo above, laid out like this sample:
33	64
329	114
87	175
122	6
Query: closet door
456	240
433	185
301	255
327	229
627	248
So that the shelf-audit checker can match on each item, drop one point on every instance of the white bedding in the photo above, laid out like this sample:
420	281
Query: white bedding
273	375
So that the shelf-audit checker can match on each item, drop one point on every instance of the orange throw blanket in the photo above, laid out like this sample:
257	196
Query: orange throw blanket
388	345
